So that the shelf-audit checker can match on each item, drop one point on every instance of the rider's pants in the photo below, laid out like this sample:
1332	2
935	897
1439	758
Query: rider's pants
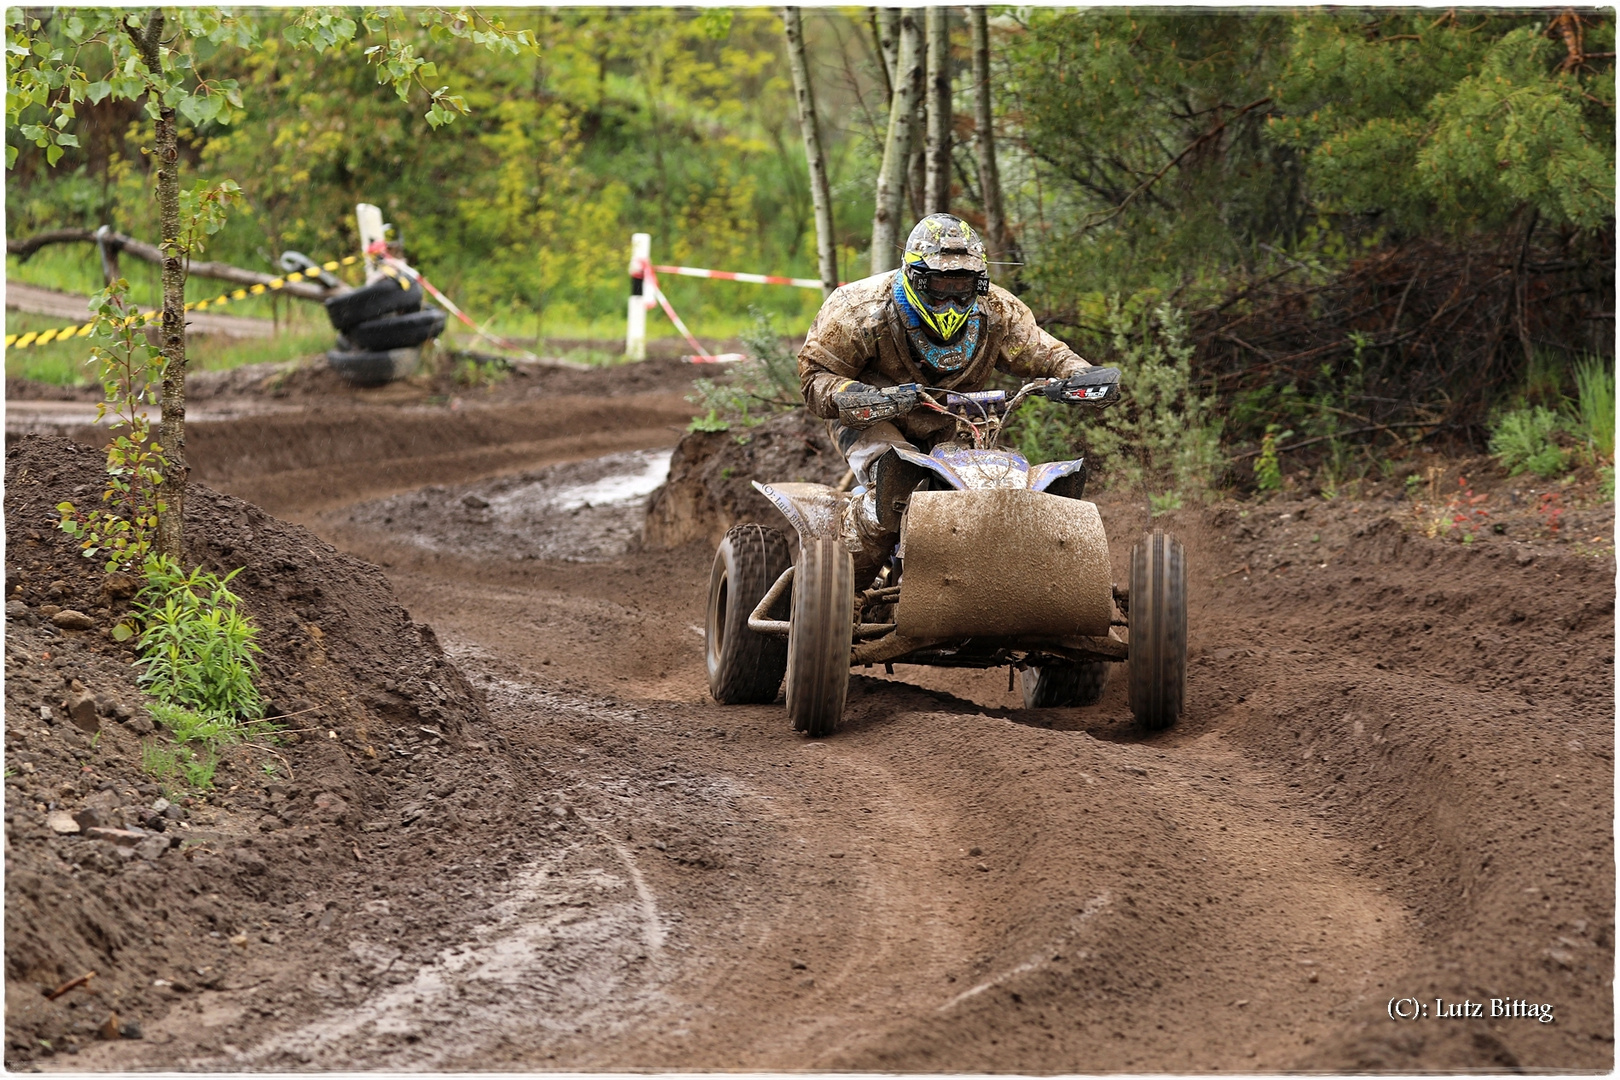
863	535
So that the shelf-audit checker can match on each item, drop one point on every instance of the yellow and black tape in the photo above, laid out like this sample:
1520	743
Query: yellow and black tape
45	337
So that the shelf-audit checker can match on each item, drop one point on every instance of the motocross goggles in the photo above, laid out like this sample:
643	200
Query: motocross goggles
943	299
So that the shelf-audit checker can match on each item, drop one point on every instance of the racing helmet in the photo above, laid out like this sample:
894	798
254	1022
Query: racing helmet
944	275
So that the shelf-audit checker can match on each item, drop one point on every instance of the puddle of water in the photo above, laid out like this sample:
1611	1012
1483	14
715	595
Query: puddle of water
610	490
578	511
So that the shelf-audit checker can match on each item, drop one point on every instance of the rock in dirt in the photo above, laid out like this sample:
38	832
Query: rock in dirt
69	619
60	821
93	817
122	837
151	847
119	586
81	709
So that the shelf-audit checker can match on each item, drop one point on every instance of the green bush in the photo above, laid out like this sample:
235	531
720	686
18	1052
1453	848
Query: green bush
1162	437
768	381
1267	468
196	647
1591	416
1522	440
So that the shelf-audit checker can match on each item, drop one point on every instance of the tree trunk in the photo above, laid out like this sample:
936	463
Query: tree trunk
937	196
820	195
891	183
886	39
172	425
995	223
917	165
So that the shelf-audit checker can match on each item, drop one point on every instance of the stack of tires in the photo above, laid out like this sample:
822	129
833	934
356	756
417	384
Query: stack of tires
380	327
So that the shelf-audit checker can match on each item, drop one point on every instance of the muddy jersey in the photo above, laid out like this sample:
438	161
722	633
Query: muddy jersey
860	333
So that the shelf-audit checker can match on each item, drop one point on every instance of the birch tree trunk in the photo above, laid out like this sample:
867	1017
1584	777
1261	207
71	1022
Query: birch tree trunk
917	166
995	223
891	183
886	40
172	425
820	196
937	193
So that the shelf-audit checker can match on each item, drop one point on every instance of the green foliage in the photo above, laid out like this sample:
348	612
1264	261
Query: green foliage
766	382
192	765
196	648
1591	417
1163	436
1107	98
1163	503
710	422
122	531
679	122
1267	469
473	372
1458	120
1522	440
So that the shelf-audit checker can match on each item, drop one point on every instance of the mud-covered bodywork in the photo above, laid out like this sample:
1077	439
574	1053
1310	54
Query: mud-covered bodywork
1003	562
993	550
966	470
814	510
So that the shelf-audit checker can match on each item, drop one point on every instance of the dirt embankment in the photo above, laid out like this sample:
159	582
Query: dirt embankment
370	701
710	486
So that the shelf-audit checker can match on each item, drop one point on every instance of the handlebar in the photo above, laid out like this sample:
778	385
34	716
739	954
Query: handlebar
1093	387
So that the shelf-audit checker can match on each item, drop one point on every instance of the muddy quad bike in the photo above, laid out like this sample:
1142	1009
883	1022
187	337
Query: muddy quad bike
998	563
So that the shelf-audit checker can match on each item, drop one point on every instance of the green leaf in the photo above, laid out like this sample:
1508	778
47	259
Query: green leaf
98	91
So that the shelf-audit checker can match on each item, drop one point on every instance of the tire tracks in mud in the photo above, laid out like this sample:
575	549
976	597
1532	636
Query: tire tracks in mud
953	883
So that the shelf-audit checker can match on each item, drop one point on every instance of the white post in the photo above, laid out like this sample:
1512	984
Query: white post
372	231
635	333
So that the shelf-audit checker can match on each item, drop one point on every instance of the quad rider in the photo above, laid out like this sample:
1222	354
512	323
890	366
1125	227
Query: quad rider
935	322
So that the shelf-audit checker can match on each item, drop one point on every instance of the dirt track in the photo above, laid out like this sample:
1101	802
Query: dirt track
1395	780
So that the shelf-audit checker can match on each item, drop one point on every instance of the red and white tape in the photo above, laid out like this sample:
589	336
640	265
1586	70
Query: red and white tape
727	275
405	268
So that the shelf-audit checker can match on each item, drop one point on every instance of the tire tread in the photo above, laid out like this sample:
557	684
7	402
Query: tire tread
748	668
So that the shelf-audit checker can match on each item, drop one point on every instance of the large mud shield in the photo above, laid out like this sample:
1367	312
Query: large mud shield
1158	685
1003	562
819	639
745	668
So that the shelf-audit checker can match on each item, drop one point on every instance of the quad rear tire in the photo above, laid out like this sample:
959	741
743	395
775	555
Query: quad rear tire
819	643
1061	686
745	668
1158	626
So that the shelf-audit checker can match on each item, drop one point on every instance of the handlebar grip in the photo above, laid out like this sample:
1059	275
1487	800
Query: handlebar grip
1097	387
862	409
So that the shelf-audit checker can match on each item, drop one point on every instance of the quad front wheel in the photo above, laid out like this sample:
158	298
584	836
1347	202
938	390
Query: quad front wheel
1158	625
819	638
745	668
1060	685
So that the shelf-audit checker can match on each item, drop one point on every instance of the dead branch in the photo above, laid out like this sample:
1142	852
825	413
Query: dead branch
118	242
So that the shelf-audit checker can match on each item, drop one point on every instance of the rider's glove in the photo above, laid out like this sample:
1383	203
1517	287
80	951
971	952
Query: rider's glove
1097	387
861	406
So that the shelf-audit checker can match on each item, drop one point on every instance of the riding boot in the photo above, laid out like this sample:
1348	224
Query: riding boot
865	538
